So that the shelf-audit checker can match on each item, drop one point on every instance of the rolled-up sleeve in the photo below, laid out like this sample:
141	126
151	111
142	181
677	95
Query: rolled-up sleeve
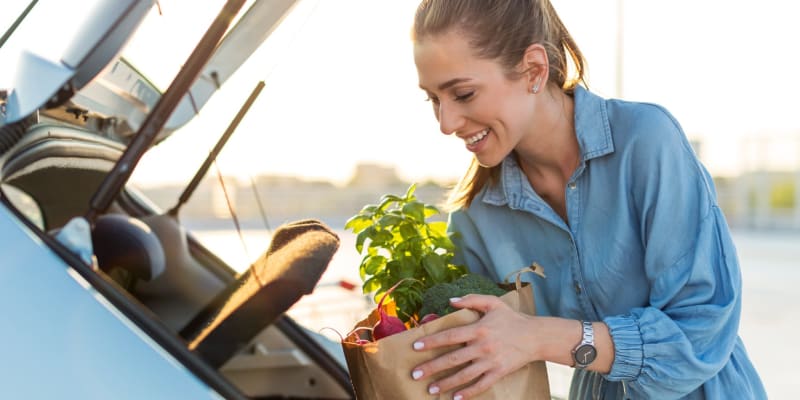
687	332
672	348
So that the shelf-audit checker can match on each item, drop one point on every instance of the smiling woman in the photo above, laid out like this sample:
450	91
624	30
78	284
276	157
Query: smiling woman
606	194
341	88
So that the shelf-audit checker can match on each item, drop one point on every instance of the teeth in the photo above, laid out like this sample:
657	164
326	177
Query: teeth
480	135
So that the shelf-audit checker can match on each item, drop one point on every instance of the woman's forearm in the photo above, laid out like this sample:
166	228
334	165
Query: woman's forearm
557	337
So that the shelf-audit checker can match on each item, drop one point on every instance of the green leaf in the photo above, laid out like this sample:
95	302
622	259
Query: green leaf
374	264
392	267
435	267
410	192
358	223
408	268
438	227
443	243
415	210
388	200
369	209
408	231
390	197
361	237
371	285
362	269
416	296
390	219
380	238
431	211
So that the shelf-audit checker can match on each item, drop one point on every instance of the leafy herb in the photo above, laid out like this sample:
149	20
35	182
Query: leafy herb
398	242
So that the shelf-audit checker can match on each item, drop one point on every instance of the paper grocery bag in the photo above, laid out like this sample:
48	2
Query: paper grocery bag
381	370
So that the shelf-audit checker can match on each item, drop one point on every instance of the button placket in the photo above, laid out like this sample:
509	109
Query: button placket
580	292
575	284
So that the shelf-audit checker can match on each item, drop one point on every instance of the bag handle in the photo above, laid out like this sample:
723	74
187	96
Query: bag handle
534	267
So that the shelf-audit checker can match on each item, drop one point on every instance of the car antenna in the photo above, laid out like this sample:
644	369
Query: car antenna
113	183
212	155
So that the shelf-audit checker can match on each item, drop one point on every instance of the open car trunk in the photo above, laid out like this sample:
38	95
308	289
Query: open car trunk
64	163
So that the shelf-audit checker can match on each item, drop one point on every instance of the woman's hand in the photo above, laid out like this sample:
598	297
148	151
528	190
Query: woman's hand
498	344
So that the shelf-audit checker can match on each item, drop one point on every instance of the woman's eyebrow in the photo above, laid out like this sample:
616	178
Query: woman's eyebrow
450	83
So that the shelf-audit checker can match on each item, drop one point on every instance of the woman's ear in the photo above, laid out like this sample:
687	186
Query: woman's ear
535	67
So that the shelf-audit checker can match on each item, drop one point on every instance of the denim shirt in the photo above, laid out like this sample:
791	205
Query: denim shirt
647	251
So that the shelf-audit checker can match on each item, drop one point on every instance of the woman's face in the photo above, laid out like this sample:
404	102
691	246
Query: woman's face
473	98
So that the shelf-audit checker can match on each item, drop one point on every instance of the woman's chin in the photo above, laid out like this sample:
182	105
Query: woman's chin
488	160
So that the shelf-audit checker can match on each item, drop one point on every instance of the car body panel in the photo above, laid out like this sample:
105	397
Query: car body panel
68	341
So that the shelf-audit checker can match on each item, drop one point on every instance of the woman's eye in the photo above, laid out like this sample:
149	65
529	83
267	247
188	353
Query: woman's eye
432	99
464	97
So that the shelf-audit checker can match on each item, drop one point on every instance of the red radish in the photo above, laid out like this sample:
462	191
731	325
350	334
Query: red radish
428	318
388	324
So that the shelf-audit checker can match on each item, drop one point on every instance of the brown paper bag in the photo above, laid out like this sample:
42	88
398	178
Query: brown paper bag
382	370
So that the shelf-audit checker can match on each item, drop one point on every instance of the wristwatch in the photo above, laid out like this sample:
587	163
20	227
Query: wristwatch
584	353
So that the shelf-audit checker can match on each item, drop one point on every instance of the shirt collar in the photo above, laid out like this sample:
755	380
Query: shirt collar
593	131
591	124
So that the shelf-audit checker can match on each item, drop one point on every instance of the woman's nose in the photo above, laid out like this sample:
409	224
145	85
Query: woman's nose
449	119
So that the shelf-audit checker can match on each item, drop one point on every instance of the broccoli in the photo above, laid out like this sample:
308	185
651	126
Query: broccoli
474	283
436	299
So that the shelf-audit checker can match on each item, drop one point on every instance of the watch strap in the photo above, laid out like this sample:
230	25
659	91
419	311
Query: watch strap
586	344
588	333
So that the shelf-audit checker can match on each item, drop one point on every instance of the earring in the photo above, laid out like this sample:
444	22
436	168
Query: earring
535	88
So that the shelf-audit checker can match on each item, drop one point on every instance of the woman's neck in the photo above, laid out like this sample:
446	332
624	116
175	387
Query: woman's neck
550	151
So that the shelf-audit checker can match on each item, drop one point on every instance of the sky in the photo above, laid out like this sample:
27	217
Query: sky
341	86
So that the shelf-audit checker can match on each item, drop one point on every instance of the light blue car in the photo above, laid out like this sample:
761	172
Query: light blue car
103	295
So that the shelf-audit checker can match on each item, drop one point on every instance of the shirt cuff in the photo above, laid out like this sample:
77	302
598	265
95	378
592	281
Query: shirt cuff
628	354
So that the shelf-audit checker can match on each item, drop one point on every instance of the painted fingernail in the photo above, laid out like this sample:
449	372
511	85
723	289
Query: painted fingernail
416	374
458	397
433	390
455	299
418	345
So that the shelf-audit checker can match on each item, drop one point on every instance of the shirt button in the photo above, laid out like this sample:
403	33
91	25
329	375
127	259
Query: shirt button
577	288
572	185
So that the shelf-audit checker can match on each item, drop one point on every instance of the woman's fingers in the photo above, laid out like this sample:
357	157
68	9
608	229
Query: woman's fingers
447	361
483	384
449	337
463	334
479	302
465	375
482	373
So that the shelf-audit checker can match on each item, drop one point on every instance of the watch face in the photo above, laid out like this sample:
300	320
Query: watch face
585	354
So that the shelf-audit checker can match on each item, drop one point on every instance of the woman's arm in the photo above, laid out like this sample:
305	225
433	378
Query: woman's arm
686	332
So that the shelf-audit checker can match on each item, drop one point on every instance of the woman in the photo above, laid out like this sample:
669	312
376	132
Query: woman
643	290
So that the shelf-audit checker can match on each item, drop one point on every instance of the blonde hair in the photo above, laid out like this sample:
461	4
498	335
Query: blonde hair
501	30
